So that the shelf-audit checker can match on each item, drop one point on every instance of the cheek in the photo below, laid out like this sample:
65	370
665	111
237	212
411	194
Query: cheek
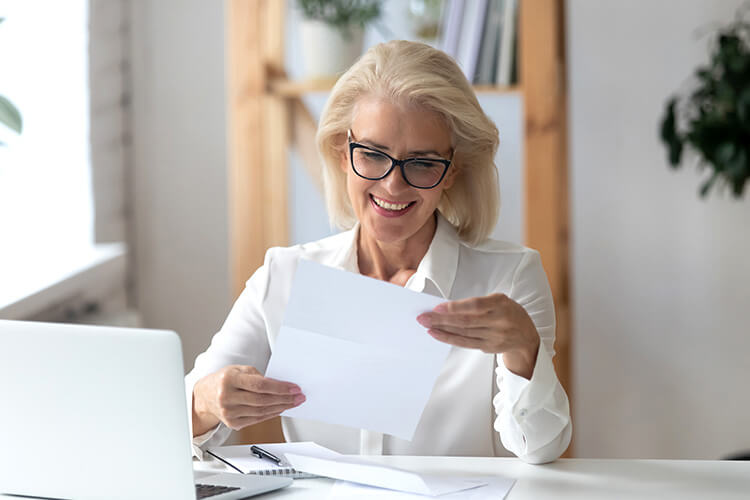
357	188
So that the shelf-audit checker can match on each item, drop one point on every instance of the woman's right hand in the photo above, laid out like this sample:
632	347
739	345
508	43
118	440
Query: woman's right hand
239	396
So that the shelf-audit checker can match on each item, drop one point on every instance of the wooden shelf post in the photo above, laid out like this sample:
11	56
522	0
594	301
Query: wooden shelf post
541	46
259	132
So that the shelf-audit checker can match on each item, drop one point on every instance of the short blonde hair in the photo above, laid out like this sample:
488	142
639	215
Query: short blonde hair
417	74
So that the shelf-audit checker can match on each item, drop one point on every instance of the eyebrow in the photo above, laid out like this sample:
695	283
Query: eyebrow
409	154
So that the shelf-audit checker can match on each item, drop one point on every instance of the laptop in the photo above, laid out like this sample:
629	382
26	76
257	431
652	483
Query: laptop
94	412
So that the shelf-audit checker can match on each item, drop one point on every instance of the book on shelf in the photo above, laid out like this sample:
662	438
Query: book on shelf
481	36
450	31
488	57
507	48
470	39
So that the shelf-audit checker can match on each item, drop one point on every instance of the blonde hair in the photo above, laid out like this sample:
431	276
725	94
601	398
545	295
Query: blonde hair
417	74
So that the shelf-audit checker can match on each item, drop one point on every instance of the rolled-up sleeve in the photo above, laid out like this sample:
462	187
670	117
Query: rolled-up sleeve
242	340
533	416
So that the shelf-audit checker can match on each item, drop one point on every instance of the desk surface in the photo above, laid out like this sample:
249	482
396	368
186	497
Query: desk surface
579	479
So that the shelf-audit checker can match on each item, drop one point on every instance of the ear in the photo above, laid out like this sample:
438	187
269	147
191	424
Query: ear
342	144
450	176
344	160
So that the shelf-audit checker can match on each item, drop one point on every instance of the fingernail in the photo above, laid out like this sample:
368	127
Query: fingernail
424	320
295	390
440	308
299	399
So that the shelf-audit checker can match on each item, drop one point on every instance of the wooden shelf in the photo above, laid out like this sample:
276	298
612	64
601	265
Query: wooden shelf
296	88
283	87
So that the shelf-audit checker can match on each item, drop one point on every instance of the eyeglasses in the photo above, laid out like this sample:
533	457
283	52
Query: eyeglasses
372	164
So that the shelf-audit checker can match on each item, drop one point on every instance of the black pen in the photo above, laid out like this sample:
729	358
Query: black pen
261	453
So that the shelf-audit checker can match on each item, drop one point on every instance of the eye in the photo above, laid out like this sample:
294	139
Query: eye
371	155
425	164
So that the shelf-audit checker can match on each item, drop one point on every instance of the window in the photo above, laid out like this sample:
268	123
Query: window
45	186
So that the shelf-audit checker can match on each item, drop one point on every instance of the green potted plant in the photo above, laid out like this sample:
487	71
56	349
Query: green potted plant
713	119
332	32
9	115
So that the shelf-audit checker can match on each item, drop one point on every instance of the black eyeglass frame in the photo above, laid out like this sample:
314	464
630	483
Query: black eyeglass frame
354	145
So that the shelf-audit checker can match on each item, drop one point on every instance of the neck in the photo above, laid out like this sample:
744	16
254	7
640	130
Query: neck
394	261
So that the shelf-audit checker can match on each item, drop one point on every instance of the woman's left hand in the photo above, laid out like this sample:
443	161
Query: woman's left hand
495	323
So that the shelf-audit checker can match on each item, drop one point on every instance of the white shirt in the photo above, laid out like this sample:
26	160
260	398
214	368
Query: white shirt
475	396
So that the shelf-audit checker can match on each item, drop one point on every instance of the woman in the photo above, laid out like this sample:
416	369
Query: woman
409	170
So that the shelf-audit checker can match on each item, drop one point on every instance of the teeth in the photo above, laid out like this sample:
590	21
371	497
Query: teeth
389	206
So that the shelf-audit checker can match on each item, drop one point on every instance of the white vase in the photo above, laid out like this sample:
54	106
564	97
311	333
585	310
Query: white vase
325	51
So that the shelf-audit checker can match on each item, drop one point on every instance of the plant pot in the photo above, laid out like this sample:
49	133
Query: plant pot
325	51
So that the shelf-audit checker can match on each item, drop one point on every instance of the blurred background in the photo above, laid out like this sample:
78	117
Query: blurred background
164	145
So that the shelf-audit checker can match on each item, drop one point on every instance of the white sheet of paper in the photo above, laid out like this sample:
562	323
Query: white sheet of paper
354	346
358	470
496	488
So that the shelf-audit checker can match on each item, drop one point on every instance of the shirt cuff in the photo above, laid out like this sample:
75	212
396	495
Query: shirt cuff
526	396
538	408
199	441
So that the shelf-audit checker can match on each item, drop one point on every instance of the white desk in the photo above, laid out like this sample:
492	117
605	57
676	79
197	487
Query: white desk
579	479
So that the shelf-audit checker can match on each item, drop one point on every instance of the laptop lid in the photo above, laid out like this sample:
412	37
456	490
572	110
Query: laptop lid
93	412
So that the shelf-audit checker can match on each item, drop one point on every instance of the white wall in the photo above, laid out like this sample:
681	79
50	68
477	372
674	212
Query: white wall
660	290
179	174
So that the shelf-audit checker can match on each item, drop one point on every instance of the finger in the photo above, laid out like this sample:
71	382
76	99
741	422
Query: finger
255	411
243	397
456	340
475	305
458	320
258	383
470	333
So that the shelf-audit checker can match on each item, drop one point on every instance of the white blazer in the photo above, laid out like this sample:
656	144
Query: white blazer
476	400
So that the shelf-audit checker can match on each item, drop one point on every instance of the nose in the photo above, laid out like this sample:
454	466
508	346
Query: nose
395	182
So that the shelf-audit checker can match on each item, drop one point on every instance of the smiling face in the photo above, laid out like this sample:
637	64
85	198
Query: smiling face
390	210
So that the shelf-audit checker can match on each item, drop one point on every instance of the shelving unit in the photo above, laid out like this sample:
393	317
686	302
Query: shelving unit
290	89
267	115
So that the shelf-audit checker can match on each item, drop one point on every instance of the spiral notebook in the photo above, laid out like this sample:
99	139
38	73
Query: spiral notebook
241	459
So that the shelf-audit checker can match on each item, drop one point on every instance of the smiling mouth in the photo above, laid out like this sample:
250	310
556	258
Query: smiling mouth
393	207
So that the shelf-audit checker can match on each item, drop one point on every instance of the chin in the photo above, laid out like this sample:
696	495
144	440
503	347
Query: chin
390	230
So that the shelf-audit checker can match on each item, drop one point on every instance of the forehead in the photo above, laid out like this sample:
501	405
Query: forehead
400	127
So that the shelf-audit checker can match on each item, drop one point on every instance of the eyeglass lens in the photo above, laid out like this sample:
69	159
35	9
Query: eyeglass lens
418	172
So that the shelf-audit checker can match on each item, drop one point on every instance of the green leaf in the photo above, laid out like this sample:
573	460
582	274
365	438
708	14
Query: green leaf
737	188
669	135
725	153
10	116
743	108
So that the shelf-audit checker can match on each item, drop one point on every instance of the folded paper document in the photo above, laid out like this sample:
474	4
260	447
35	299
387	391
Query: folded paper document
497	488
354	346
321	461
